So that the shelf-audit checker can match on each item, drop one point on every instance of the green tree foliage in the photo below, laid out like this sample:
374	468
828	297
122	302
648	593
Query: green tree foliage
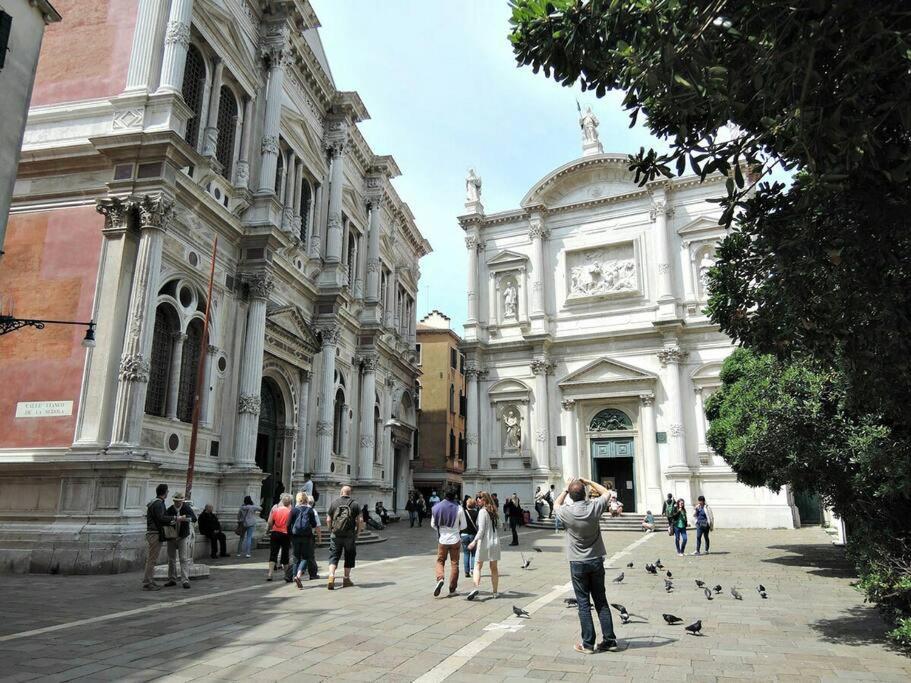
791	423
821	88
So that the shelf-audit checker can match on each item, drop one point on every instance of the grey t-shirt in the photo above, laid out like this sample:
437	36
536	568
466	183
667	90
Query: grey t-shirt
583	532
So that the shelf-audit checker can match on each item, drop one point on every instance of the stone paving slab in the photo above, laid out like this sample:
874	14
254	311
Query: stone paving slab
234	625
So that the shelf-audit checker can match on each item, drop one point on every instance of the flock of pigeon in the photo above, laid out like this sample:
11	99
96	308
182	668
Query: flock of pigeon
695	628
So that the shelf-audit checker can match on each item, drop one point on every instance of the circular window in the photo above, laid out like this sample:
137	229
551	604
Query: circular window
173	442
300	264
193	259
222	364
217	193
186	297
332	467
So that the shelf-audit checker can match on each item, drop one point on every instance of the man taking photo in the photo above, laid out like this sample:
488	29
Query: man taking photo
585	552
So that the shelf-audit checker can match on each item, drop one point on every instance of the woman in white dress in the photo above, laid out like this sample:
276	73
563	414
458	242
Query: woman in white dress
486	544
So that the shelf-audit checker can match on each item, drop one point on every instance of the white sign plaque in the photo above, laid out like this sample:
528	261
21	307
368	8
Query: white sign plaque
44	408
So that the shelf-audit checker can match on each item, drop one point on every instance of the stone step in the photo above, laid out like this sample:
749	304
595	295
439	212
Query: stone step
607	523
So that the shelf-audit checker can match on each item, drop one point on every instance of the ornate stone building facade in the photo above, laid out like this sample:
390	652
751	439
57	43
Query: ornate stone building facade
588	351
206	120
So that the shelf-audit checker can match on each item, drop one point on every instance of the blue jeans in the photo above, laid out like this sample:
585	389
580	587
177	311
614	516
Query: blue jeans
467	555
680	534
245	542
702	532
588	580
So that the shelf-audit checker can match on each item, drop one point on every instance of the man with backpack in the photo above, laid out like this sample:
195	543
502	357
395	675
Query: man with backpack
304	524
345	523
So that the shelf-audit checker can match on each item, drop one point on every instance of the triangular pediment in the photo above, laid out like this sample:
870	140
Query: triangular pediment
290	320
605	371
505	257
701	226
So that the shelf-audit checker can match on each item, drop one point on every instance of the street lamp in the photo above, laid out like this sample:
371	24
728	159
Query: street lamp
10	324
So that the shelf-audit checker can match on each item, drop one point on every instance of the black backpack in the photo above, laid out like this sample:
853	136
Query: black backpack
304	524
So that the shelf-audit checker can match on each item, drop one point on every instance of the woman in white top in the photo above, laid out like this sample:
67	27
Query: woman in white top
486	544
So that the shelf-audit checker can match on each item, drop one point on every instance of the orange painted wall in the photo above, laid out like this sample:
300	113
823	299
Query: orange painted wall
49	269
86	55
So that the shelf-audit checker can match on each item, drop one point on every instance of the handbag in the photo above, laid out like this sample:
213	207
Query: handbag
170	532
239	529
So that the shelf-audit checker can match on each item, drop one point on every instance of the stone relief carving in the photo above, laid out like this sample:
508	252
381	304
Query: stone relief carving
367	441
134	368
606	270
472	438
248	403
178	32
676	430
269	144
323	428
128	118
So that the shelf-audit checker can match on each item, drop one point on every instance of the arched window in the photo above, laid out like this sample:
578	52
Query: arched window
338	416
188	370
227	126
305	210
160	361
452	444
194	85
451	398
610	420
377	435
279	172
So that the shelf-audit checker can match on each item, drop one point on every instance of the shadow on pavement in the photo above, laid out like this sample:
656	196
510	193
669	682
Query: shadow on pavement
819	559
642	642
861	626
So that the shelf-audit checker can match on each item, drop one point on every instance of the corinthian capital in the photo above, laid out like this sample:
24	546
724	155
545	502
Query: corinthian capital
134	368
155	212
116	213
369	361
330	332
261	284
537	229
472	369
672	354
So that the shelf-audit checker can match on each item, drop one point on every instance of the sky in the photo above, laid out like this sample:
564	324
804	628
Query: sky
444	94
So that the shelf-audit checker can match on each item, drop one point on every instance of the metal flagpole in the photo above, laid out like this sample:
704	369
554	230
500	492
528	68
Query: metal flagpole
200	376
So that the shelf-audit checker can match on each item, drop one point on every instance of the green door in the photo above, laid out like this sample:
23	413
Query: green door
809	507
612	462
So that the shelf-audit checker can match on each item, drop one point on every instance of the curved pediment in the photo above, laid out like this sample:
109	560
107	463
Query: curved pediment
582	180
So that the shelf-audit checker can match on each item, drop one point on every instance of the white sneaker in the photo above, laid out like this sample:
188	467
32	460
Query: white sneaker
473	594
436	592
246	556
238	555
495	596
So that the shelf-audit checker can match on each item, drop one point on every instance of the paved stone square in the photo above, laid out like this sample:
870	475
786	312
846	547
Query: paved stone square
236	626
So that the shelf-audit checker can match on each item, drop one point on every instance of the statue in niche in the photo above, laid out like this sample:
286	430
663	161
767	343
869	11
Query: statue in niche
588	122
513	430
472	187
510	300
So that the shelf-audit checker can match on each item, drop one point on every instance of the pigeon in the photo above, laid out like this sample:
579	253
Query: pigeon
651	569
525	562
736	594
671	619
668	585
538	550
669	575
708	593
519	612
658	564
624	615
717	589
763	595
694	628
571	602
760	588
699	583
629	565
619	578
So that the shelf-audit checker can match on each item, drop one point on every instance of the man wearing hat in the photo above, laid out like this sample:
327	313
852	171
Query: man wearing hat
179	548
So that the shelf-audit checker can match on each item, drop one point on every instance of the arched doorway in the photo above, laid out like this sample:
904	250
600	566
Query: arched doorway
613	453
269	445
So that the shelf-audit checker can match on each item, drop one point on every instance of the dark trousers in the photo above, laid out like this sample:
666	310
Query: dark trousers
217	540
588	580
539	508
343	545
680	539
702	532
513	523
302	556
279	542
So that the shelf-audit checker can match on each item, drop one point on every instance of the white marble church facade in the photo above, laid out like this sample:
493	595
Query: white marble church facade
229	126
588	352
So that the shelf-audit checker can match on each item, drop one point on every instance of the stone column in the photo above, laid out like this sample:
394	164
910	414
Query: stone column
316	243
336	152
275	54
374	206
251	371
155	214
296	219
390	299
242	176
354	277
288	202
671	358
472	243
570	454
538	232
206	398
472	426
541	368
177	40
493	294
649	440
369	363
331	332
211	139
662	245
145	43
301	466
179	339
700	421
